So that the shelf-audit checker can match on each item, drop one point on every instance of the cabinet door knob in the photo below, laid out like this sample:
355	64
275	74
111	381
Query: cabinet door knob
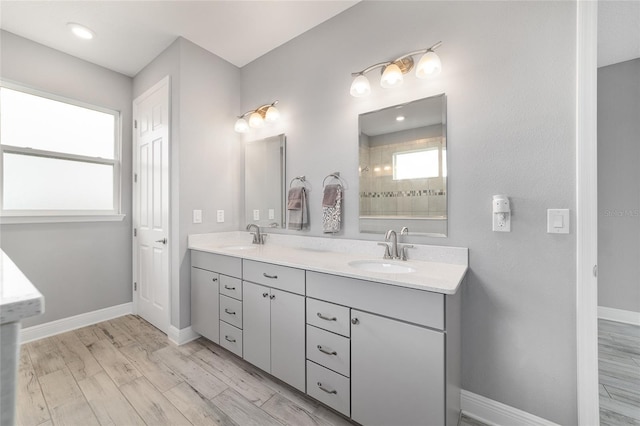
324	351
273	296
326	318
214	279
326	390
355	321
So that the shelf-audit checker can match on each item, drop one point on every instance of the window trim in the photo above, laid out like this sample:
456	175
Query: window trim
57	216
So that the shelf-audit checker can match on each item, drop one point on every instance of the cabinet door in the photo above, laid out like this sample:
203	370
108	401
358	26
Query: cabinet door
204	304
397	372
288	338
256	330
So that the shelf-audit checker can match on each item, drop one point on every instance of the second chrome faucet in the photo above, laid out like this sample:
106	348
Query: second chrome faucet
395	251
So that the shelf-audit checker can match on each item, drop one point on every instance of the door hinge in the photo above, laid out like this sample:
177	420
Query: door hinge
135	232
135	178
135	286
135	124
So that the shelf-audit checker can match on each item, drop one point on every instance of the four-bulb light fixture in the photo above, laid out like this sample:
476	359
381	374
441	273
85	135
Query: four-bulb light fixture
257	117
392	71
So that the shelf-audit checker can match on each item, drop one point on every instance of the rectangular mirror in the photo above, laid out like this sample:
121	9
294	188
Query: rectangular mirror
264	181
403	168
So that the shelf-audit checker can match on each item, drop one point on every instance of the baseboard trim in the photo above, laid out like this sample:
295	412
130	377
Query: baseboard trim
619	315
182	336
494	413
63	325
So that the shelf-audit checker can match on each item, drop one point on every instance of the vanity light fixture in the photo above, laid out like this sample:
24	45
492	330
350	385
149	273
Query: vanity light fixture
392	71
257	117
80	31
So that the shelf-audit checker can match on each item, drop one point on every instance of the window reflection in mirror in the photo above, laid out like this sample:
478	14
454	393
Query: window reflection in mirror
264	181
403	168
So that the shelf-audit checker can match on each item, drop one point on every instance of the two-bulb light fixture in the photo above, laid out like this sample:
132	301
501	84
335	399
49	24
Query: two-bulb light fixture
257	117
392	71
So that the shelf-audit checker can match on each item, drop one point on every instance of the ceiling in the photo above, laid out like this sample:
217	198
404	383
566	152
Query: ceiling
130	34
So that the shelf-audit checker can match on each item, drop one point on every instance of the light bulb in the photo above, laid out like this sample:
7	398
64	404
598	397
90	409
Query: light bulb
241	125
272	114
391	77
429	65
256	120
80	31
360	86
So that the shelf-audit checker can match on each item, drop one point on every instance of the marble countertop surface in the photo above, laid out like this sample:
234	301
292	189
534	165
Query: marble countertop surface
437	269
18	297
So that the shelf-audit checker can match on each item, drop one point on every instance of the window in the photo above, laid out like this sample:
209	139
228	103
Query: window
58	157
424	163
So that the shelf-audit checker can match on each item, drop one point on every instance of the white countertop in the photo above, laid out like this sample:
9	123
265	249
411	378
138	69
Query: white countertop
332	256
18	297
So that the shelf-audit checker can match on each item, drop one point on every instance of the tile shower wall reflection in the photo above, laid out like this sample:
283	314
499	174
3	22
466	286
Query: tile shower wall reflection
380	194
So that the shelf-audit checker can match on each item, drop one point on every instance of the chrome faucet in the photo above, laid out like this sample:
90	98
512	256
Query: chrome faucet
393	237
258	238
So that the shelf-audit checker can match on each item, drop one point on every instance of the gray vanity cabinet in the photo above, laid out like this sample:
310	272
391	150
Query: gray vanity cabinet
397	372
204	303
208	271
274	332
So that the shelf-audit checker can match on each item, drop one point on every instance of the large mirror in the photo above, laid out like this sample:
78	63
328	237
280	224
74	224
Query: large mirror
403	168
264	181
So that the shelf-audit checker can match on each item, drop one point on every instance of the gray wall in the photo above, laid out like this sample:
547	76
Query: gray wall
511	130
205	152
619	186
78	267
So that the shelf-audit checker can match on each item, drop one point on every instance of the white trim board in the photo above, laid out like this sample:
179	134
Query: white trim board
52	328
495	413
619	315
182	336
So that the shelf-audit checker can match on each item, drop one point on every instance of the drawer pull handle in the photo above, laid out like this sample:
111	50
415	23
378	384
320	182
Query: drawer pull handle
326	318
265	294
229	312
327	390
273	277
324	351
229	288
229	339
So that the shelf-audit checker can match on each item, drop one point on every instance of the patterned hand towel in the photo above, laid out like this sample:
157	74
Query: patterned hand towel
298	208
332	209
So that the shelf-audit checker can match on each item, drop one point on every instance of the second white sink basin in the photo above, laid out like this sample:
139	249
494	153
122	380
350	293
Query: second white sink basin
240	247
383	266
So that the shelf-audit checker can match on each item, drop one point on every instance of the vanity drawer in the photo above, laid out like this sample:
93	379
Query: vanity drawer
231	287
231	311
407	304
329	388
329	350
226	265
276	276
328	316
231	338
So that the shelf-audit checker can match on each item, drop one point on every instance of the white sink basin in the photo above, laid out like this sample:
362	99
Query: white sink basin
383	266
241	247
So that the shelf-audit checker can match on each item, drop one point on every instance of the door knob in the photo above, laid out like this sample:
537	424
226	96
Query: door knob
163	241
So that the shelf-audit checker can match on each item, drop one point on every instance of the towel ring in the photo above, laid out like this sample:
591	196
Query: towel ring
302	179
334	175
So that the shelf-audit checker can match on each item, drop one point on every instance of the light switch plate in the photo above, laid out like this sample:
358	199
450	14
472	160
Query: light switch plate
220	216
197	216
558	221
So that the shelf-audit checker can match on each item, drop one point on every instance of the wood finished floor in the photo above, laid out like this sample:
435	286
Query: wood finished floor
619	373
125	372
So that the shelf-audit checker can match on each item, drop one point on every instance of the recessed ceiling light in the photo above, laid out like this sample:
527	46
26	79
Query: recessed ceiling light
400	118
80	31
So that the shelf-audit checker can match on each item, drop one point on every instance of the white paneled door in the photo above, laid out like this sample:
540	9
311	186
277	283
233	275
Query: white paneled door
151	205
